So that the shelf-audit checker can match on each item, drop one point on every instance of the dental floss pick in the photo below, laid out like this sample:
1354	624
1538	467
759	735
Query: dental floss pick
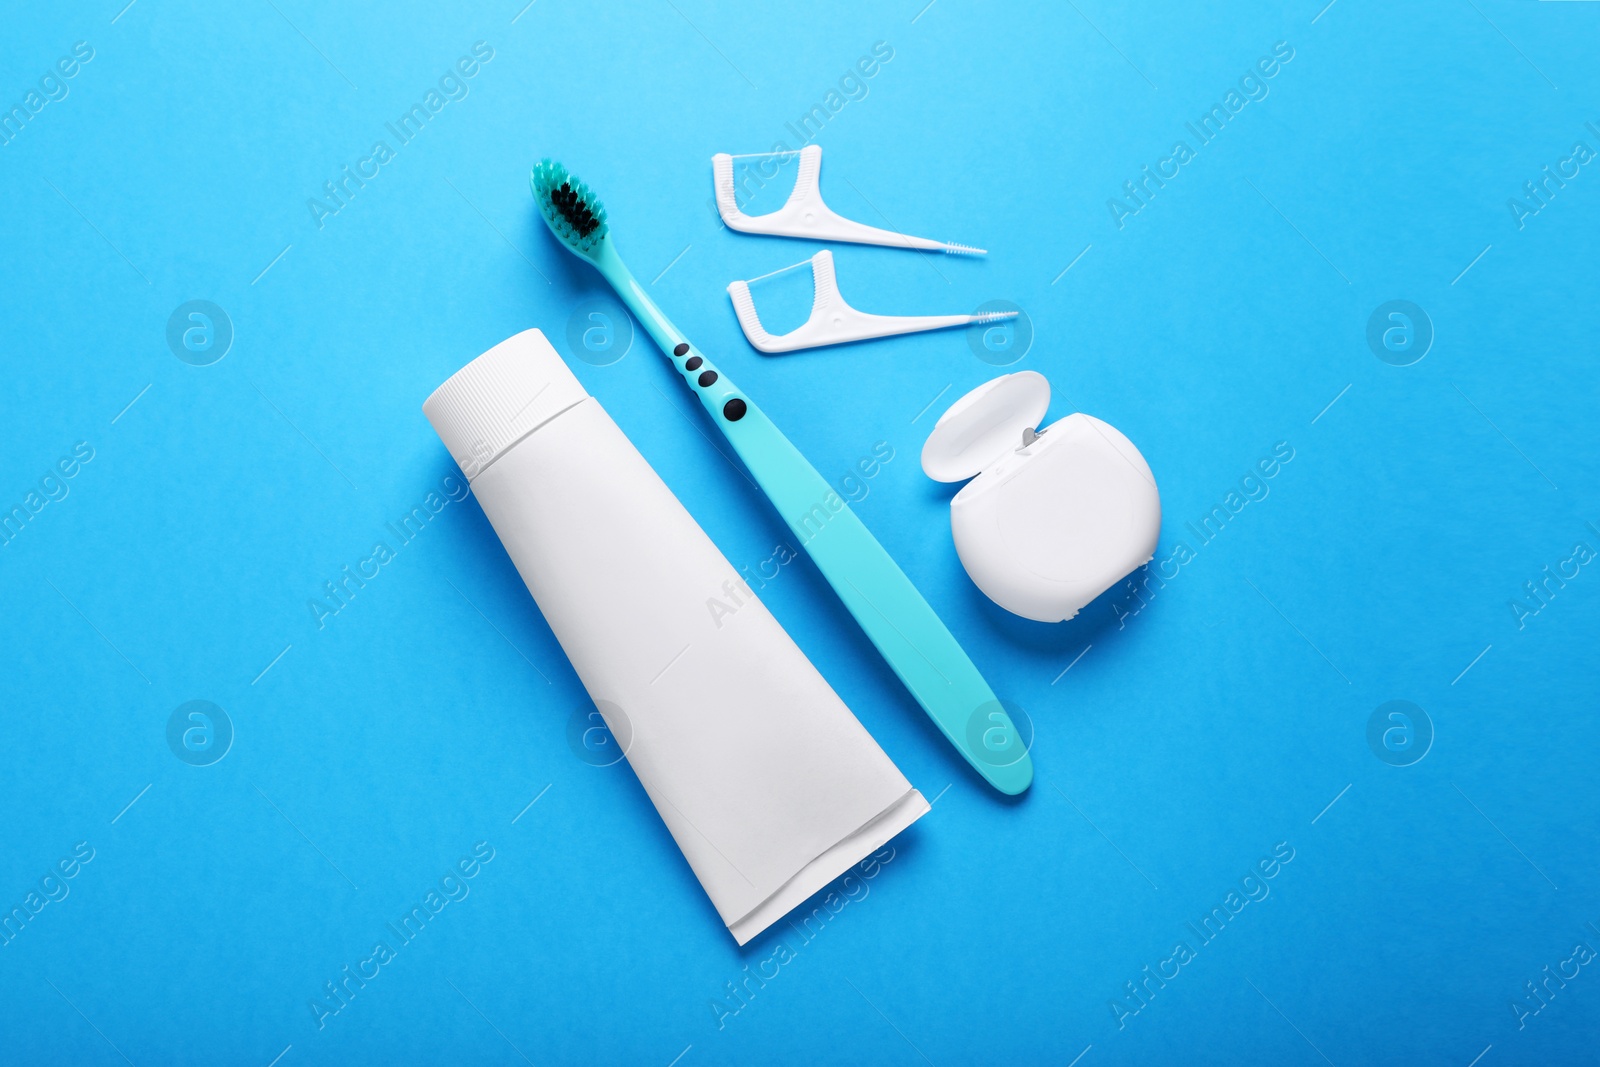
805	215
833	321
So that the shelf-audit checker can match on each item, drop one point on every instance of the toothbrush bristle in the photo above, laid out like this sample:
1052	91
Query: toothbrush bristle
573	213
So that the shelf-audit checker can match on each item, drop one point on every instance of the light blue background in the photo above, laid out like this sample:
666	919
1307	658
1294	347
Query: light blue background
1185	743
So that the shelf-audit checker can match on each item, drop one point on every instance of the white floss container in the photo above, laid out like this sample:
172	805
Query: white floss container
765	779
1053	517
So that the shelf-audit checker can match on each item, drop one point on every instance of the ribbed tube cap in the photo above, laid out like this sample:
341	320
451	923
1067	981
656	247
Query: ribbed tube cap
499	398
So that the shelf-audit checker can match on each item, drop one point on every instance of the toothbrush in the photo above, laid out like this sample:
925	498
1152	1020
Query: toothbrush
906	631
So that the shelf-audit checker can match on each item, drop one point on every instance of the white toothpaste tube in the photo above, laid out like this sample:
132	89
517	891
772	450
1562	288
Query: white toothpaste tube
767	782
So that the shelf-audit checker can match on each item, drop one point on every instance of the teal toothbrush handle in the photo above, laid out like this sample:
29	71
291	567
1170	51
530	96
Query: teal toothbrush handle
905	629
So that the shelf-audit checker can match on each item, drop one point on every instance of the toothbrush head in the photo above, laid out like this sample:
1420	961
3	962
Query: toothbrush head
573	213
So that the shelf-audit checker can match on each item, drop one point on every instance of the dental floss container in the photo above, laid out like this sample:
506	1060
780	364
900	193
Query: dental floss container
1052	517
767	782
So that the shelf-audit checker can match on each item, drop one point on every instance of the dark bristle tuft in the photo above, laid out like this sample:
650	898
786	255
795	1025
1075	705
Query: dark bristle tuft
575	209
574	214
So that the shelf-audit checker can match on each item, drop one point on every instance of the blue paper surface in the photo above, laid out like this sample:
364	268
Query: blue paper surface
215	368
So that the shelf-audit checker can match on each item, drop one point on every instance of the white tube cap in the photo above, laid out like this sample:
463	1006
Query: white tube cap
499	398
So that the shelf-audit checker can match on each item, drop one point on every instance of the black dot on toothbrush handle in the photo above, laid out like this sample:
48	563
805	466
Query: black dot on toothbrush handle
681	349
693	363
708	378
734	410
